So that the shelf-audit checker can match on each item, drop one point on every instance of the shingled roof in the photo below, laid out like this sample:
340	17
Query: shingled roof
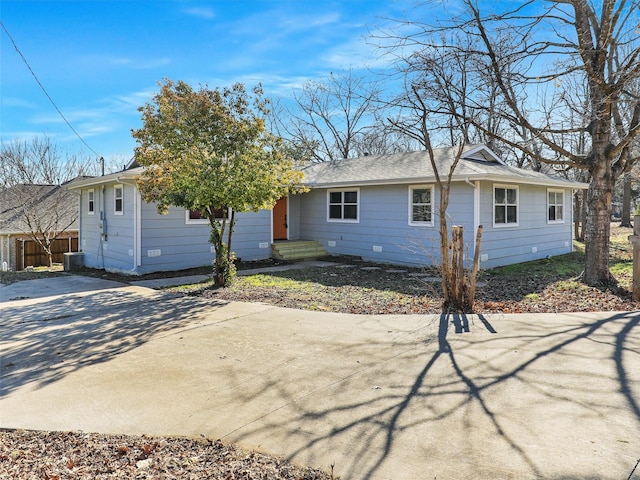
20	200
477	163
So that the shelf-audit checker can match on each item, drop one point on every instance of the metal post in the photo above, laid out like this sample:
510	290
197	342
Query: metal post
635	241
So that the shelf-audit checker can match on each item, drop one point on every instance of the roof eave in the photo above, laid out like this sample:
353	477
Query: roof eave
456	178
92	182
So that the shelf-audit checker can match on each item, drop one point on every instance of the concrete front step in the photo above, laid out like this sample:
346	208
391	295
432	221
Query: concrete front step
297	250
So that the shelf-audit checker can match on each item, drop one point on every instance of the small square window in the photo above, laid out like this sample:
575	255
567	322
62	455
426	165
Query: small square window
343	205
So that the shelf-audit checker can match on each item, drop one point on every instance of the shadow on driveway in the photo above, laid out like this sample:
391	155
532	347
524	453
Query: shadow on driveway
46	340
556	397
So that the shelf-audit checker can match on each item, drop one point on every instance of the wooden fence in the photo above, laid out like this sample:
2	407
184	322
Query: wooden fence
30	253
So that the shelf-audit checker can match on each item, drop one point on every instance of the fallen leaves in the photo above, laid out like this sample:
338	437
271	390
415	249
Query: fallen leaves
389	291
68	455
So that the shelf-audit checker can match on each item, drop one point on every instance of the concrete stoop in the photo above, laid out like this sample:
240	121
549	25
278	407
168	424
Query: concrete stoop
297	250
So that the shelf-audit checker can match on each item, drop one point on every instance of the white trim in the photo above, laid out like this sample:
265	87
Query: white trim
343	220
194	221
482	150
493	205
410	190
115	199
138	229
91	201
431	179
561	191
476	213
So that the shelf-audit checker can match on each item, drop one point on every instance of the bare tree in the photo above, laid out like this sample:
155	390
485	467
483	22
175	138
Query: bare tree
333	117
420	109
35	202
530	52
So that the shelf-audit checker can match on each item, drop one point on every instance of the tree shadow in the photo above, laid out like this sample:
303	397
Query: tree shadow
43	342
464	376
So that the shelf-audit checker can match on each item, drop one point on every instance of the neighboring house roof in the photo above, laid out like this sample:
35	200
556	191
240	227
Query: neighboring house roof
477	163
16	202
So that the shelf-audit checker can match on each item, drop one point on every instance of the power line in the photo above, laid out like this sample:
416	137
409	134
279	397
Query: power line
44	90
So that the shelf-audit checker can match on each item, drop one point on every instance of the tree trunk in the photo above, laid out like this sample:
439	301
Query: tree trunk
625	220
471	292
583	215
598	226
577	215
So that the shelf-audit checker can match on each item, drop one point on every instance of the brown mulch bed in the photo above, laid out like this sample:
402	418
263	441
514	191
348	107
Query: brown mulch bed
65	455
364	288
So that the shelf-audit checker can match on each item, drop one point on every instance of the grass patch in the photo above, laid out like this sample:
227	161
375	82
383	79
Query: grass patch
262	280
562	266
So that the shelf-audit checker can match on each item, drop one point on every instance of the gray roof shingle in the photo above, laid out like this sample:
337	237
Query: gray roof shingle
477	163
50	204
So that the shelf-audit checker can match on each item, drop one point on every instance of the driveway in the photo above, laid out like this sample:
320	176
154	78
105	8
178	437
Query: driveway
417	396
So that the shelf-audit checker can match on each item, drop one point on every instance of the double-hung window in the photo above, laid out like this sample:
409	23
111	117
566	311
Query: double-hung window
91	204
555	206
343	205
420	205
505	206
118	200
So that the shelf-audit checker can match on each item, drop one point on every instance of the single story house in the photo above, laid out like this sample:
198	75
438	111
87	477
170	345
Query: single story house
380	208
27	210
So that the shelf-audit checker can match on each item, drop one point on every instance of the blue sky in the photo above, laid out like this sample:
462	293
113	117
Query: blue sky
100	60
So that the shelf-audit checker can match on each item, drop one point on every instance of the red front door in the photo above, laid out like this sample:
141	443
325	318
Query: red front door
280	219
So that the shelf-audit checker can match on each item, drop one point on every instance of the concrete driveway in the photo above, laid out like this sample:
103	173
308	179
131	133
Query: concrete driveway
380	397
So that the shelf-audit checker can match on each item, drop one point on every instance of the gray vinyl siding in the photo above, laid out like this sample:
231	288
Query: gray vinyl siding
89	229
169	243
293	221
509	245
112	253
383	225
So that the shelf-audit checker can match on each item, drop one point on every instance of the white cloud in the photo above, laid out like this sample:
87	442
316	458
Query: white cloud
17	102
101	61
206	13
131	101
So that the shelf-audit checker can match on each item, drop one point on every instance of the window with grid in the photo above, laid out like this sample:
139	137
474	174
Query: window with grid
505	206
343	205
420	205
555	206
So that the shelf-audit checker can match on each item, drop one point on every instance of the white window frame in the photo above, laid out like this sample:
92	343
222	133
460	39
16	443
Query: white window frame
91	201
343	191
115	199
198	221
413	222
194	221
517	205
560	191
